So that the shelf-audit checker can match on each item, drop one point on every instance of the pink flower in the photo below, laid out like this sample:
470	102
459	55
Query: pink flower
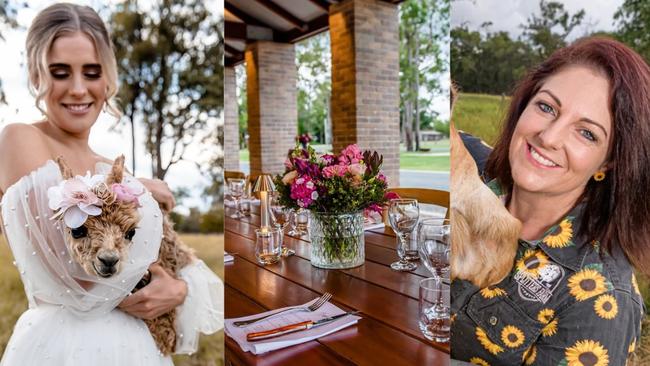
334	171
391	195
351	155
357	169
302	190
74	200
125	193
382	177
289	177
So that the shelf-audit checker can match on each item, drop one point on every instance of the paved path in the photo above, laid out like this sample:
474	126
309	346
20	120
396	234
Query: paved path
408	178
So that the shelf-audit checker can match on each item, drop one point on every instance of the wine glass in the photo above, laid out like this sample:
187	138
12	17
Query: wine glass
281	217
236	187
403	215
434	245
299	222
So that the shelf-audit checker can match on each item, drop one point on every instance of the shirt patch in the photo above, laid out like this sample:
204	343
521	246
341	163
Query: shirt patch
539	286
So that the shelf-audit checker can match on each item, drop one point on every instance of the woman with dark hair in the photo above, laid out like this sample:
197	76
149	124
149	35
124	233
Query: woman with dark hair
573	165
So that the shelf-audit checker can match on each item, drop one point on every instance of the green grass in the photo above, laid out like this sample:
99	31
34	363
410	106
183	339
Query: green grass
481	115
208	247
418	161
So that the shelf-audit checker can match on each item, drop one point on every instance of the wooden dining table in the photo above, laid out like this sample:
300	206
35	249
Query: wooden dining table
387	301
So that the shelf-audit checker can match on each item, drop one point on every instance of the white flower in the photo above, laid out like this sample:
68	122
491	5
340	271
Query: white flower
300	180
74	199
310	185
314	195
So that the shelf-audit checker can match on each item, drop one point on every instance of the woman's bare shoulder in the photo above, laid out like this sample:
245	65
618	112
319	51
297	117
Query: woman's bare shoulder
23	148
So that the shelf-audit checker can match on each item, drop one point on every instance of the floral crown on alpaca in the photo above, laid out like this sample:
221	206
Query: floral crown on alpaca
77	197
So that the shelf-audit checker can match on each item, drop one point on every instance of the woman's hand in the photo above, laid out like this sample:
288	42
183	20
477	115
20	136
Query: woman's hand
161	295
161	192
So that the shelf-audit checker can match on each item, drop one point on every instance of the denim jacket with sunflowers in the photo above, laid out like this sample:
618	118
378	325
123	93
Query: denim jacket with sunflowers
565	303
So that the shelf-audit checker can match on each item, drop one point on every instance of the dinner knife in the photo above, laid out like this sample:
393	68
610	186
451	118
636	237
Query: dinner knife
291	328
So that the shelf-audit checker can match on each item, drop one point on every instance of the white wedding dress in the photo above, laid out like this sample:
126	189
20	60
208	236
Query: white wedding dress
73	318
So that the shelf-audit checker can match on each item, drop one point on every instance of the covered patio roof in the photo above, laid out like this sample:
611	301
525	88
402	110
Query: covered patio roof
284	21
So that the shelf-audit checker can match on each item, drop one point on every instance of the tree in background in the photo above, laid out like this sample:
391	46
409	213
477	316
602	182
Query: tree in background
170	59
492	62
8	12
314	87
548	32
424	25
633	18
242	102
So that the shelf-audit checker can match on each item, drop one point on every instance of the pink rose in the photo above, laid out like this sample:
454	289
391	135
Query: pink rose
351	155
125	193
334	171
357	169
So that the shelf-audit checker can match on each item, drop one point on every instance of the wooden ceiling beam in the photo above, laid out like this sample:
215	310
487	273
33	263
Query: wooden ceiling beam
314	27
321	4
247	18
283	13
232	50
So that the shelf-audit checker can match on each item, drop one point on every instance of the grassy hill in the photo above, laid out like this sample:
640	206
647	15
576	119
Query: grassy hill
480	114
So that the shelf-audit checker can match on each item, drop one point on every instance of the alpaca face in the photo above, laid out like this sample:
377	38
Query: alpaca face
101	245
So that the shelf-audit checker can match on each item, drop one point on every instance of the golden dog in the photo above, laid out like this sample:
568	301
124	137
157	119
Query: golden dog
484	234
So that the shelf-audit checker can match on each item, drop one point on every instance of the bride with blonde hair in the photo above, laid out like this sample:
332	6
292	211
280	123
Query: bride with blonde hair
75	318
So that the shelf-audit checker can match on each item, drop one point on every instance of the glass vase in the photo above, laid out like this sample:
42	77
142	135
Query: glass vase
337	240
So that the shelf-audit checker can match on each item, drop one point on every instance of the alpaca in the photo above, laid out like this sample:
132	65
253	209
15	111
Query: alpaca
100	245
484	234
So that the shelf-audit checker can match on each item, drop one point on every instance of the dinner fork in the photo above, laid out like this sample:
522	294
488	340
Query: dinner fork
313	307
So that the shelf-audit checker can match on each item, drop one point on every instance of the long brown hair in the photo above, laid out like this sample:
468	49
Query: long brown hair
617	209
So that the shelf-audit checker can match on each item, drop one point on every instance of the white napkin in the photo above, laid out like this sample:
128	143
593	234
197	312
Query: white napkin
258	347
228	257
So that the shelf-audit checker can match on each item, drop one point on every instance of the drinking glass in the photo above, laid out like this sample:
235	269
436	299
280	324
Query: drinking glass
403	215
236	187
300	222
433	312
268	245
434	245
281	217
245	206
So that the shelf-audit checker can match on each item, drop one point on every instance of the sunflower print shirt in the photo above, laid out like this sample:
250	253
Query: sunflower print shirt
565	303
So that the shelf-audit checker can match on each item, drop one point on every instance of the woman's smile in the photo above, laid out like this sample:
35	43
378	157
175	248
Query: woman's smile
538	159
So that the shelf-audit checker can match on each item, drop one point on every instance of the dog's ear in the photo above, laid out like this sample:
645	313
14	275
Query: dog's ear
66	172
117	171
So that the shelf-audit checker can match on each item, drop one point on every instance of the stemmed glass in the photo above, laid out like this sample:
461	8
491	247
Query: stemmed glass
236	187
434	241
403	215
281	217
299	222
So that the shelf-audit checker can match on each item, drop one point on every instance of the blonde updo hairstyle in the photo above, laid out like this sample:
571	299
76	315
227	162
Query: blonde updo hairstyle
59	20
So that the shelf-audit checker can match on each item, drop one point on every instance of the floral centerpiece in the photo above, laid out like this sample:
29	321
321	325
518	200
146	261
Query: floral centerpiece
336	189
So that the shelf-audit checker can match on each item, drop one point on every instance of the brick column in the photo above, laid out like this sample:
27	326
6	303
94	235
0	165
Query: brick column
364	37
231	121
272	104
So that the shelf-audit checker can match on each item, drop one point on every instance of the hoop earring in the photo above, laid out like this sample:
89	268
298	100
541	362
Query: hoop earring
599	176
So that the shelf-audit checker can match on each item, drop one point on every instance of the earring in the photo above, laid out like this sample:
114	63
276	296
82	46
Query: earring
599	176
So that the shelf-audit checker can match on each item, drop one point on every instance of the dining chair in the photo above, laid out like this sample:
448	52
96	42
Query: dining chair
424	195
233	174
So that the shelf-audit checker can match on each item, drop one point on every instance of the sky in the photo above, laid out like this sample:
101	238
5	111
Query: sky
103	140
508	15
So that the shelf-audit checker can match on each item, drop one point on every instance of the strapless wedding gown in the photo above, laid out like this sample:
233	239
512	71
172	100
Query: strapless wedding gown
71	324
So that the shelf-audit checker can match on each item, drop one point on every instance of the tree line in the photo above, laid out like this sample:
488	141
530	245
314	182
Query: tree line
483	61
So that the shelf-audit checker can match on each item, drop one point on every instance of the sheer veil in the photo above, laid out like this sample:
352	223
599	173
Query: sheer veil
49	274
